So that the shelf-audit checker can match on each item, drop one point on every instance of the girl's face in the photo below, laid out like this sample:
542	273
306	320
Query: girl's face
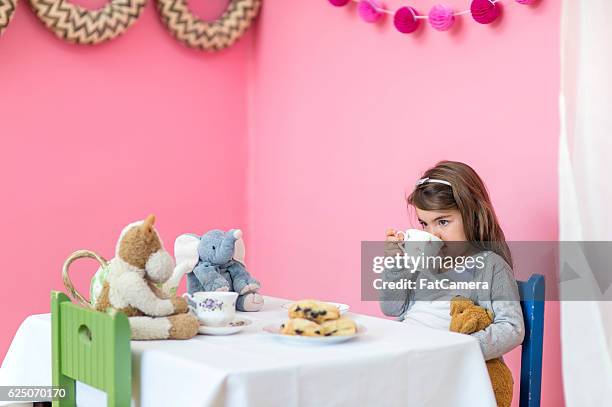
446	225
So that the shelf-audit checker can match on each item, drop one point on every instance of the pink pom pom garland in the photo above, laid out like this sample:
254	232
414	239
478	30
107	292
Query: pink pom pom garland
441	17
484	11
405	20
369	10
339	3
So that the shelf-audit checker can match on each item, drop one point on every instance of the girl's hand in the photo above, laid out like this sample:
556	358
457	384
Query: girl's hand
394	236
392	245
391	235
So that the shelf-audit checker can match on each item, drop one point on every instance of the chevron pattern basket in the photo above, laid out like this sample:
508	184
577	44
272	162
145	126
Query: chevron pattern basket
79	25
208	36
7	10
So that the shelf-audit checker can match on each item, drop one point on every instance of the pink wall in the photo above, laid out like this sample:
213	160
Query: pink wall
94	138
346	115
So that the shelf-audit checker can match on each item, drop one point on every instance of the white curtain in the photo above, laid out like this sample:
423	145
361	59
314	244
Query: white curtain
585	193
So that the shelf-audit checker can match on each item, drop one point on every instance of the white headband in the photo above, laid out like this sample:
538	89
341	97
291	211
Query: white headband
436	181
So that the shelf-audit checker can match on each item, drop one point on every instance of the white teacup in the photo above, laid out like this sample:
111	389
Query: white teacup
430	246
213	308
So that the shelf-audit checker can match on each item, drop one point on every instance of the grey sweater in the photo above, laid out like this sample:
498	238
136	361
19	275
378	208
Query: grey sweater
507	330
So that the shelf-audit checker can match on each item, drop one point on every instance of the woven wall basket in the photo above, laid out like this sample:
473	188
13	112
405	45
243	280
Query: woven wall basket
205	35
79	25
7	9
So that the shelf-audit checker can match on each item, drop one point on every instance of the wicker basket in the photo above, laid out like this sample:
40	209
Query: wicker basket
79	254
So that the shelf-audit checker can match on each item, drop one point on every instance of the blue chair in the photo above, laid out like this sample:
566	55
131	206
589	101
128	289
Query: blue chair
532	304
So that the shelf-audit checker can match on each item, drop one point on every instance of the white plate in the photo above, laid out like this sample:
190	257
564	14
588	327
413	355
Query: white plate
233	327
274	330
343	308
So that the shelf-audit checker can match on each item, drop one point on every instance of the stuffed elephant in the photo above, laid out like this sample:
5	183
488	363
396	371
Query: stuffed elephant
217	270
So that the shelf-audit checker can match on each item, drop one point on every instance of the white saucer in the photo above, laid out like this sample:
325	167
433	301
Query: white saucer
274	330
343	308
233	327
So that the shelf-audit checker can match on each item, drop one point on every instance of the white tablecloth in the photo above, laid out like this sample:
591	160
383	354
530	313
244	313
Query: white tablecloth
393	364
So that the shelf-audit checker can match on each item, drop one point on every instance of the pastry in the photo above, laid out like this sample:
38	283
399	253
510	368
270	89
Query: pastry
301	327
313	310
339	327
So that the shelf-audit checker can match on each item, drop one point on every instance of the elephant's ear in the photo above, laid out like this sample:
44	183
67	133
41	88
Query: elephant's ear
239	250
186	250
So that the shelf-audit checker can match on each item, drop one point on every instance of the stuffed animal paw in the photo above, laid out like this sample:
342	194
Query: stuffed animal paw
219	284
249	288
183	326
250	302
180	305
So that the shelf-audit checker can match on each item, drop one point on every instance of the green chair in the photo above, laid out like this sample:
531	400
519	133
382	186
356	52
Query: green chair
91	347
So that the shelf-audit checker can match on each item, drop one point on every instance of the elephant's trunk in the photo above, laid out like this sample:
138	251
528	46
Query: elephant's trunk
226	251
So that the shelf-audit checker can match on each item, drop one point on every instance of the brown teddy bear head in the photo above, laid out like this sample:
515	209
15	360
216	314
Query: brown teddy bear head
466	317
140	247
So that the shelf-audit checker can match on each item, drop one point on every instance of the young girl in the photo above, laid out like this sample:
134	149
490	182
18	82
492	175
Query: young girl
452	203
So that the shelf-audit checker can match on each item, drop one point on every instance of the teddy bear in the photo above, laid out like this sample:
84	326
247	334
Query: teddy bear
467	318
218	269
129	285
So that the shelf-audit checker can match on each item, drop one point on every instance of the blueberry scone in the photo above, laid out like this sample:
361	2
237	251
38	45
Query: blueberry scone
339	327
301	327
313	310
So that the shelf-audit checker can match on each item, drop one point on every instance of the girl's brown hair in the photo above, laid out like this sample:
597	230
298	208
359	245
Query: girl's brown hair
469	196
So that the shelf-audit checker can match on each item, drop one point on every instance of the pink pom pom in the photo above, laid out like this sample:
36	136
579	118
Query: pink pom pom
368	10
339	3
484	11
405	21
441	17
526	1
